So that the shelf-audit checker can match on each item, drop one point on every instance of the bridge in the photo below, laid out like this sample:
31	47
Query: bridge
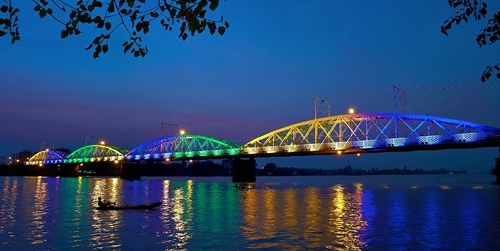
340	134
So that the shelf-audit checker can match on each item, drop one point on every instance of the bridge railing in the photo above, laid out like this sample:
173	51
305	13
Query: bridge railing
368	144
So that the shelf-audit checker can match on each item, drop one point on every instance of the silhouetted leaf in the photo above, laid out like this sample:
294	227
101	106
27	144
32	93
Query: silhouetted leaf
127	47
131	3
134	16
42	13
221	30
214	4
64	33
111	7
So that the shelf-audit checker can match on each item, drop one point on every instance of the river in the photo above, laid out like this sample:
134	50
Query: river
387	212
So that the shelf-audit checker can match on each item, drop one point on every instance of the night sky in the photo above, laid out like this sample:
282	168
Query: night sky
263	74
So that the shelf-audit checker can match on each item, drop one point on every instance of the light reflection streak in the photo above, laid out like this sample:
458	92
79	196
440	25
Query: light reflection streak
178	212
214	200
431	226
249	206
398	215
189	198
346	218
470	215
445	187
105	224
269	227
7	215
315	218
290	207
312	218
77	222
369	212
166	212
37	234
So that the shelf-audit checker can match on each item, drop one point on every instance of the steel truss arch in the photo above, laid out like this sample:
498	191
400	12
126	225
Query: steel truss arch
47	157
92	153
368	132
182	146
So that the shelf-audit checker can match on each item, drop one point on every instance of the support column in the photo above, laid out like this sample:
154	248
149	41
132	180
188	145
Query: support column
243	170
130	171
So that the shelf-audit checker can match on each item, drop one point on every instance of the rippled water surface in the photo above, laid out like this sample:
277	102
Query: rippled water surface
438	212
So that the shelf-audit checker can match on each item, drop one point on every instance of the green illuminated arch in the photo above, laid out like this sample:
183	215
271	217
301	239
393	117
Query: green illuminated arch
183	146
93	153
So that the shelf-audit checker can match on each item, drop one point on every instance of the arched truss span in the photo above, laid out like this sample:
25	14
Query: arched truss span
47	157
179	146
93	153
375	132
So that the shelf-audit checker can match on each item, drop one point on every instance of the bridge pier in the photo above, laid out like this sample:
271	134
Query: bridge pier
130	171
243	170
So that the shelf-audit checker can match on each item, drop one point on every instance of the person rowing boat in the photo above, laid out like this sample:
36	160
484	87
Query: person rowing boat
102	204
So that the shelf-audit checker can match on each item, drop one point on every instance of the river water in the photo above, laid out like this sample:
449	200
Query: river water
419	212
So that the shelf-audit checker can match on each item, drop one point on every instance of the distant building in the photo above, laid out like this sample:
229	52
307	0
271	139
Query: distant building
20	157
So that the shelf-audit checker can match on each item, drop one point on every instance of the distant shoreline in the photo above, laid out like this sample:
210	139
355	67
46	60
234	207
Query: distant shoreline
211	169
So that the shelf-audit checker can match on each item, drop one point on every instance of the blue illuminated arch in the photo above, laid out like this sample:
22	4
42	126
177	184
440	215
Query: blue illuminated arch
46	157
179	146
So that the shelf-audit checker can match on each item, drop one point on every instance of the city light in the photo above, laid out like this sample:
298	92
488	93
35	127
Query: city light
103	142
351	110
182	132
358	154
339	152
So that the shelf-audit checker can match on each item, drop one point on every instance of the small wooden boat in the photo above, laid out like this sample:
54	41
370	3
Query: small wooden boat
131	207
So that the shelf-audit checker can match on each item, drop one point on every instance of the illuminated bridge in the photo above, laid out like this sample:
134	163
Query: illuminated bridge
96	153
182	146
341	134
47	157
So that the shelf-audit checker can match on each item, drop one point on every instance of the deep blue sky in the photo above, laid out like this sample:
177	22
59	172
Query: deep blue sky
263	74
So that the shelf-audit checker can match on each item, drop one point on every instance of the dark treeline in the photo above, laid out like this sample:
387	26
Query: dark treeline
204	168
271	169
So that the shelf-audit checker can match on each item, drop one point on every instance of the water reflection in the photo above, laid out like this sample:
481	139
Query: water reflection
37	233
57	213
296	219
179	202
105	225
7	210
